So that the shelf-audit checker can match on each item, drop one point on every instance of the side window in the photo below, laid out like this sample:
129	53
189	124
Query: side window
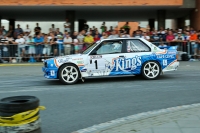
136	46
109	47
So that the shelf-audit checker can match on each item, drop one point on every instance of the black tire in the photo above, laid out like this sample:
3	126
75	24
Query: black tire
149	65
18	104
71	69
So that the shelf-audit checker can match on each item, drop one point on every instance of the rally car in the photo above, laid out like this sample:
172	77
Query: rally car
113	57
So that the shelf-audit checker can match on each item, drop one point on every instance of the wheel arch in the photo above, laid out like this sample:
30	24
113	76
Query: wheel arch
72	64
150	61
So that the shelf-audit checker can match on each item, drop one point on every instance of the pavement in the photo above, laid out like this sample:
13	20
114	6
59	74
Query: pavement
106	100
180	119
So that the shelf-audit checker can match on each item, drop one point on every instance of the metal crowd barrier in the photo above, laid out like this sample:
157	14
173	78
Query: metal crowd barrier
12	51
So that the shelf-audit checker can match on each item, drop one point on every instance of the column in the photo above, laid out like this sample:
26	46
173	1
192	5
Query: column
70	15
12	23
0	21
151	24
195	17
161	18
81	24
181	23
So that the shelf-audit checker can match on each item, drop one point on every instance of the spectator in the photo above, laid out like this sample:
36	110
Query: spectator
137	34
53	43
27	30
3	47
39	46
155	38
67	44
111	29
113	35
179	39
75	42
67	26
198	42
60	44
193	39
103	27
80	38
4	31
170	37
145	36
86	27
47	47
126	35
37	29
18	31
31	44
21	45
127	28
88	40
104	36
96	38
53	29
58	32
98	34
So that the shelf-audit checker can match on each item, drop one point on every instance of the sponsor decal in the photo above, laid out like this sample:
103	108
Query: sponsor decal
166	56
78	59
171	52
96	57
128	64
62	60
80	62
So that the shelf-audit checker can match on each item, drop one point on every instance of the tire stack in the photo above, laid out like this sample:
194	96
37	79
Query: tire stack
19	114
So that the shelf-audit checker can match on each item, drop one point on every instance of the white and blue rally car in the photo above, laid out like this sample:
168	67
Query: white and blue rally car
113	57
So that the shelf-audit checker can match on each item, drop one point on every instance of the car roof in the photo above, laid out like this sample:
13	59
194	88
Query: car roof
123	38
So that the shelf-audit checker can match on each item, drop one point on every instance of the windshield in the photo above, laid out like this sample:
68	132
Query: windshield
90	47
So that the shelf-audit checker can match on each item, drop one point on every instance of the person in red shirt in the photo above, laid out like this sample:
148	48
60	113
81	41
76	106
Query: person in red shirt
96	38
170	37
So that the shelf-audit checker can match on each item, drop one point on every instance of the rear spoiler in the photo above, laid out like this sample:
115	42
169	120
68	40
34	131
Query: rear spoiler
169	47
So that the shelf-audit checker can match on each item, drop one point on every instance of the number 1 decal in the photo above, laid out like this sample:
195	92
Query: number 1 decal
96	65
164	62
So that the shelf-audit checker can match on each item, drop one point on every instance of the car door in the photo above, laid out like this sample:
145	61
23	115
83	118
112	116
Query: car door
101	61
136	53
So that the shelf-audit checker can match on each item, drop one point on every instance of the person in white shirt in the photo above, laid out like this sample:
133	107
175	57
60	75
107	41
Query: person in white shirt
113	35
27	30
145	36
21	45
67	44
67	26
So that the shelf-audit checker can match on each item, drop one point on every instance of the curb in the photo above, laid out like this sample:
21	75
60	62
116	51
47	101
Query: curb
134	118
22	64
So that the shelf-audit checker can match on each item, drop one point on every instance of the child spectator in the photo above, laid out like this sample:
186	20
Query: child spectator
31	44
21	45
47	47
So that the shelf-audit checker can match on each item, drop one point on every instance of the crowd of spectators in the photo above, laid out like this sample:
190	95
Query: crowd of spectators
25	43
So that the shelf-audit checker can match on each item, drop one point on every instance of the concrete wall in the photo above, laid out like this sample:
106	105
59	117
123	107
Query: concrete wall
94	2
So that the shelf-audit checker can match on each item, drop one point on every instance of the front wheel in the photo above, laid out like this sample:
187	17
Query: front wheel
151	70
69	74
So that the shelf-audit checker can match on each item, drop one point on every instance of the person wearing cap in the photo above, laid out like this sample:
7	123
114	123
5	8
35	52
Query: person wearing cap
179	39
88	40
60	44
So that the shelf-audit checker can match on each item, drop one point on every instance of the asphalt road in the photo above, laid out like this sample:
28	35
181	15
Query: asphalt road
73	107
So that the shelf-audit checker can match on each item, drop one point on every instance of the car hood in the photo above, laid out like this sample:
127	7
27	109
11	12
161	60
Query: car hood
77	59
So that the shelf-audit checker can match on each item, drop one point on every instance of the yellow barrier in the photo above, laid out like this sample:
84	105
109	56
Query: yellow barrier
21	118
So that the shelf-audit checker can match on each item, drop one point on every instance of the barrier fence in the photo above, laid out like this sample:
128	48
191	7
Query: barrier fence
26	52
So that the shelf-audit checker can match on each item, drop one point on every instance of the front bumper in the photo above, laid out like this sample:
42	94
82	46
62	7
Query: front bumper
50	73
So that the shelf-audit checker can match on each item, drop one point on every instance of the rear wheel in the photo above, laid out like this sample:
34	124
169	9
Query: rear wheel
151	70
69	74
